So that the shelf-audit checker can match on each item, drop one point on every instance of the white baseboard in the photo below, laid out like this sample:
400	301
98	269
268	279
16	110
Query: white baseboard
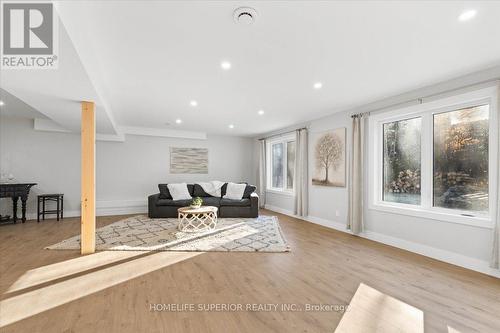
316	220
327	223
425	250
435	253
121	207
106	208
279	210
67	213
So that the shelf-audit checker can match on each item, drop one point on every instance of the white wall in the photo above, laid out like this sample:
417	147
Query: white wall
126	172
464	245
279	201
50	159
324	202
327	202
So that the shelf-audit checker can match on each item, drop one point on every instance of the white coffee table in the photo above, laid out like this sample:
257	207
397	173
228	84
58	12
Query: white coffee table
197	219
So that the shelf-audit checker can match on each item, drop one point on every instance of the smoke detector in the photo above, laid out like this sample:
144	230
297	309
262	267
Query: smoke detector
245	15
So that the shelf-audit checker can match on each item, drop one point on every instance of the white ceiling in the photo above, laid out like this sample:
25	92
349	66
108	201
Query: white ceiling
56	93
146	60
16	107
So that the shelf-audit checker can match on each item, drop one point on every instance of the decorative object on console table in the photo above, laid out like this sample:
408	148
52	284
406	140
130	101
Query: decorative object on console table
329	158
43	198
189	160
16	191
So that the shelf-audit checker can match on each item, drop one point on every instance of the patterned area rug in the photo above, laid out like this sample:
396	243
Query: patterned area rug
140	233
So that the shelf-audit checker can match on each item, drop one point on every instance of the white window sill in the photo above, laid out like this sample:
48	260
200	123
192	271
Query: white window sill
280	192
476	221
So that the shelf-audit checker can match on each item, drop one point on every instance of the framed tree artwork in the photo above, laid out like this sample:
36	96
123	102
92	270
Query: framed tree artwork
329	158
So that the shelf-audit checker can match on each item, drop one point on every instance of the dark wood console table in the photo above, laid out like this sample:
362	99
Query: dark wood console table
16	191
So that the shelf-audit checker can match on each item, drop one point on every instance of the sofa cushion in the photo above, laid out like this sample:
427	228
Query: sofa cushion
191	189
249	190
236	203
235	191
175	203
179	191
211	201
198	191
164	192
224	188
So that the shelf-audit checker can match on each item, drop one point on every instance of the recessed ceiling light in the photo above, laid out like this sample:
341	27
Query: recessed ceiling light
2	103
178	121
467	15
193	103
318	85
231	126
260	112
225	65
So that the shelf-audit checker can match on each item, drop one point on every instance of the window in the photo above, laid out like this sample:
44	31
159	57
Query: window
281	164
402	161
290	157
434	160
461	159
277	169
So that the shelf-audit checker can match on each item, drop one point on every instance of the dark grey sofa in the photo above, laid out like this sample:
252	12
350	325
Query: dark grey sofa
162	205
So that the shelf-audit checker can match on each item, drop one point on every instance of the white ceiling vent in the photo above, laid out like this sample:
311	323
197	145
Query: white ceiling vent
245	15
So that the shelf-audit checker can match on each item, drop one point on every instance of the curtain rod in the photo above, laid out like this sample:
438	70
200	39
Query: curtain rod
280	134
420	100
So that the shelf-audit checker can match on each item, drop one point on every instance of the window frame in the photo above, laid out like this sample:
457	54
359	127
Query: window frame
269	143
427	111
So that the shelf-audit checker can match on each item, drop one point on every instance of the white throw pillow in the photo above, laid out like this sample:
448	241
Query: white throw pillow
179	191
235	191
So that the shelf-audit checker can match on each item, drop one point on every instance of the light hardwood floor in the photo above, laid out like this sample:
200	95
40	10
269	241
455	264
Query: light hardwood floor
60	291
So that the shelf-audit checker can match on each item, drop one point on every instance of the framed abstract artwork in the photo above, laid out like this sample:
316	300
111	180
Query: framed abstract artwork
188	160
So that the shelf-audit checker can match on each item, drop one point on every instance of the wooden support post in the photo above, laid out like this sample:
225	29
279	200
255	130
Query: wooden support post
88	178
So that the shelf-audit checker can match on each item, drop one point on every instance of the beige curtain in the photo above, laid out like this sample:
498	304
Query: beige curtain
355	213
262	174
301	178
495	255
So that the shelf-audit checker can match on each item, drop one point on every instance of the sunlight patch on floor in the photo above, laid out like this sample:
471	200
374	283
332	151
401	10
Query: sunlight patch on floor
31	303
59	270
239	231
373	311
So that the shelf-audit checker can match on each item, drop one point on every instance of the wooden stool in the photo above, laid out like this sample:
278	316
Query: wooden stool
42	198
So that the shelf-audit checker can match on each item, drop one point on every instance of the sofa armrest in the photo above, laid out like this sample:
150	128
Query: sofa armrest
254	204
153	197
152	200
